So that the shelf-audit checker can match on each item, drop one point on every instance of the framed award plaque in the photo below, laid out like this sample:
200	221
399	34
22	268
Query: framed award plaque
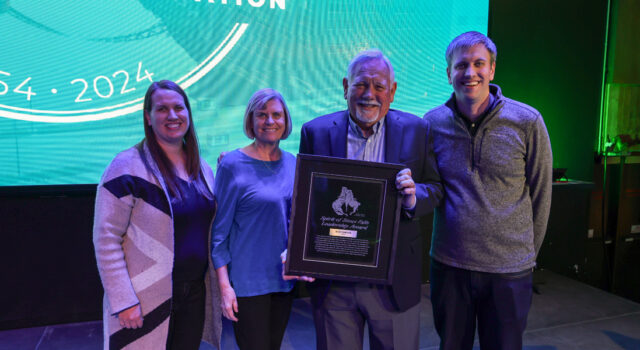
344	219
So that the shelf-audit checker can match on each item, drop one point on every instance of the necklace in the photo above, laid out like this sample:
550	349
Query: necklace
266	163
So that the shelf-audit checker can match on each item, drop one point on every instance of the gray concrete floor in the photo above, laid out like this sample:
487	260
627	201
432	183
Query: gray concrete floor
565	315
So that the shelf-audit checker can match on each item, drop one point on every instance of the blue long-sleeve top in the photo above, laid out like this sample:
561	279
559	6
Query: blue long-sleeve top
251	226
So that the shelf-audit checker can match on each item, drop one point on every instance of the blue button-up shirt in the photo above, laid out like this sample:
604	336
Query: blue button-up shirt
366	148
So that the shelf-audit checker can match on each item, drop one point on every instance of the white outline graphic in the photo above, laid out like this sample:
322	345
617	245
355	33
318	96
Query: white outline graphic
131	106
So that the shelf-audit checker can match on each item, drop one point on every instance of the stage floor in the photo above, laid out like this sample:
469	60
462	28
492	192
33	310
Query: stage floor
565	315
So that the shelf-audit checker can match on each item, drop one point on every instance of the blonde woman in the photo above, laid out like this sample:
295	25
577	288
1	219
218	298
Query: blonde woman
254	186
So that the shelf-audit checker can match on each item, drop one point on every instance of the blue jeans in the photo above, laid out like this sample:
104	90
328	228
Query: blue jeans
498	302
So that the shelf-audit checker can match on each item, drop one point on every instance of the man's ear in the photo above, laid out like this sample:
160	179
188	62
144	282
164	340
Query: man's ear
394	86
493	71
345	85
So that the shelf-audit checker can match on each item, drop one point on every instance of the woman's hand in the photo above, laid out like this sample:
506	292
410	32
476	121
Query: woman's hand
283	258
222	154
229	303
131	317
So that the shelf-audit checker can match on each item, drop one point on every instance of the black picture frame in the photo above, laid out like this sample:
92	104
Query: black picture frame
344	219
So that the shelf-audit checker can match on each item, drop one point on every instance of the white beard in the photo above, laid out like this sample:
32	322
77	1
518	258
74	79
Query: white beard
362	117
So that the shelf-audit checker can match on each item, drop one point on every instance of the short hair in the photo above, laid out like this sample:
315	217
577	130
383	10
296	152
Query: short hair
369	55
467	40
257	102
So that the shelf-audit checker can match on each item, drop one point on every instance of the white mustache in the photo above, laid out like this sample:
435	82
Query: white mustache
373	103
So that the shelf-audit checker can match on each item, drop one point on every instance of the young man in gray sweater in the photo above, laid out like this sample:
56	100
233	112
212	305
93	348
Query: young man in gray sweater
494	158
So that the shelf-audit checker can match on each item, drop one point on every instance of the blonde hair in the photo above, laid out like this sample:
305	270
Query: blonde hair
467	40
257	102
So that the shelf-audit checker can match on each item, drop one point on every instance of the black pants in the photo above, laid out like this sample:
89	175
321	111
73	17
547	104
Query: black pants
262	320
187	315
499	303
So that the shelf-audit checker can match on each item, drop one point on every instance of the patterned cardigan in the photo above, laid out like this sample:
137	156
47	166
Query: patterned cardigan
133	240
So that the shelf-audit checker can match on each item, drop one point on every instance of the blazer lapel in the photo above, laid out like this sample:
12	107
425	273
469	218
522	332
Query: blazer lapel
338	135
393	138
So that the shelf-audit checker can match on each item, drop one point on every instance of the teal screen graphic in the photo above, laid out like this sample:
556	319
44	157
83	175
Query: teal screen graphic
73	73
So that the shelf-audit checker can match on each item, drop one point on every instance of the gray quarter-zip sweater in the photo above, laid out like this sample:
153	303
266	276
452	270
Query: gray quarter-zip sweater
497	187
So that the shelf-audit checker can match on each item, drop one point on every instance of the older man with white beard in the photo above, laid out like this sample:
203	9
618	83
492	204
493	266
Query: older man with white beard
368	130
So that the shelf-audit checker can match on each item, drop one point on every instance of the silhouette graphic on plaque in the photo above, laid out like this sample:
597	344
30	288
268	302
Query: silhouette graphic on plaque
346	204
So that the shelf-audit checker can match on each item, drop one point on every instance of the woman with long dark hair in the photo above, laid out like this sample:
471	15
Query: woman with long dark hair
152	236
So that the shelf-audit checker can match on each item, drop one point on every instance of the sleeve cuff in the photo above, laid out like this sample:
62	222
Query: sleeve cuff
409	213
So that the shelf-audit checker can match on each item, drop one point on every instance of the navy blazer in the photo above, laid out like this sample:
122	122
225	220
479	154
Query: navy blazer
407	142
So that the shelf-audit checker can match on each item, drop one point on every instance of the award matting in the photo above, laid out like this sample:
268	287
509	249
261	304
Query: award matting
344	219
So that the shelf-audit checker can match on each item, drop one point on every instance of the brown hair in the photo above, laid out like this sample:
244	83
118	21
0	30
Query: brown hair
190	143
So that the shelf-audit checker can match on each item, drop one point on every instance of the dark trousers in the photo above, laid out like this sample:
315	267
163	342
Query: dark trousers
347	307
499	302
187	316
262	320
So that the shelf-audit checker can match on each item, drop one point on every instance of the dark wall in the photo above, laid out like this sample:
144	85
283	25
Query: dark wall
550	56
48	268
624	43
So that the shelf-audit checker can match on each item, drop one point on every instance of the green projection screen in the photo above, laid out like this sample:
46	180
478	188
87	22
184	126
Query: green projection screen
73	73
